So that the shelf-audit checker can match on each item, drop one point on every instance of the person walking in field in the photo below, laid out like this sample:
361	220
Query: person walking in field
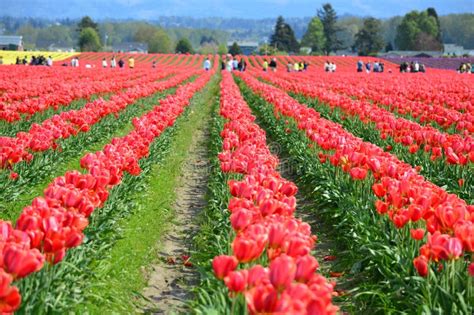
104	63
296	66
49	61
113	62
265	65
230	65
273	65
131	63
121	63
207	64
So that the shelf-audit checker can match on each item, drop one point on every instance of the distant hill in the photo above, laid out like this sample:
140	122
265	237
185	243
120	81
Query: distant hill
456	28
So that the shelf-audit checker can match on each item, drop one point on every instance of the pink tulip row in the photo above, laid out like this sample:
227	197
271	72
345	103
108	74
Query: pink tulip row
262	209
404	194
457	149
54	223
66	124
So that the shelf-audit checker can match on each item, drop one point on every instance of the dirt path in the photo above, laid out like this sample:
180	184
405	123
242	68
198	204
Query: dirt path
170	279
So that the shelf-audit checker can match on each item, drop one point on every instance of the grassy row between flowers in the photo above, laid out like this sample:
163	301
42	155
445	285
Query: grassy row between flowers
375	256
104	274
439	171
120	273
35	175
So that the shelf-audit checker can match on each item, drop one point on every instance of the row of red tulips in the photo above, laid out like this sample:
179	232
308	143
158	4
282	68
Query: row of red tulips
63	93
54	223
19	83
404	195
426	98
456	149
272	248
45	136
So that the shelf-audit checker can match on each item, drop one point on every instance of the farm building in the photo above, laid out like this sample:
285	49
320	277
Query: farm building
11	42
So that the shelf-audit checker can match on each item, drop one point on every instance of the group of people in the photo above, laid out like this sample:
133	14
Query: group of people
114	63
35	61
230	64
412	67
297	66
377	66
330	66
466	67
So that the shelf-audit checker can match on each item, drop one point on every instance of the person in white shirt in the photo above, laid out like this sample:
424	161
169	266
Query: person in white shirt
49	61
104	63
207	64
333	67
113	62
230	65
327	66
416	67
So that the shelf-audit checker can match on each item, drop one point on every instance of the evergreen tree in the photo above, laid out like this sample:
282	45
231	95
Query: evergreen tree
89	40
184	46
328	17
432	12
235	49
284	38
314	36
369	40
87	22
418	31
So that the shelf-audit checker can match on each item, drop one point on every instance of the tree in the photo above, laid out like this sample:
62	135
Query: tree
156	38
328	17
86	22
222	49
369	40
284	38
418	31
89	40
235	50
314	36
184	46
432	12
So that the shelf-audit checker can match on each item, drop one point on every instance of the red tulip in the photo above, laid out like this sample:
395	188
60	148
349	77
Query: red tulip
21	262
236	281
10	298
470	269
417	234
421	265
282	272
223	264
305	267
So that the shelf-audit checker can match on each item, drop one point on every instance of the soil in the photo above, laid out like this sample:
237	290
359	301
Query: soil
171	278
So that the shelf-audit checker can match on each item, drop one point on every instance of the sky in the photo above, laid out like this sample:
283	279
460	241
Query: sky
255	9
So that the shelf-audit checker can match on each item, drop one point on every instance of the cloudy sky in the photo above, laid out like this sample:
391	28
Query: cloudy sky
149	9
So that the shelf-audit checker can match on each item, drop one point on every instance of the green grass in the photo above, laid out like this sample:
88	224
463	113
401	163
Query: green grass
148	224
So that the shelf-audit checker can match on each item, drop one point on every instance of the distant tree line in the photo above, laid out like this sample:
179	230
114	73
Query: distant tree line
415	31
323	33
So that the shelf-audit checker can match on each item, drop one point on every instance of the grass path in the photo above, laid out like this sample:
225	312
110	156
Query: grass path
125	268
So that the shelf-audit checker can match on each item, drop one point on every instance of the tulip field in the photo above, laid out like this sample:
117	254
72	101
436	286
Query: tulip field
327	193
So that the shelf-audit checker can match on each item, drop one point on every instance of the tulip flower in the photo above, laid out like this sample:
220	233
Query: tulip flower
421	265
282	272
223	264
236	281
